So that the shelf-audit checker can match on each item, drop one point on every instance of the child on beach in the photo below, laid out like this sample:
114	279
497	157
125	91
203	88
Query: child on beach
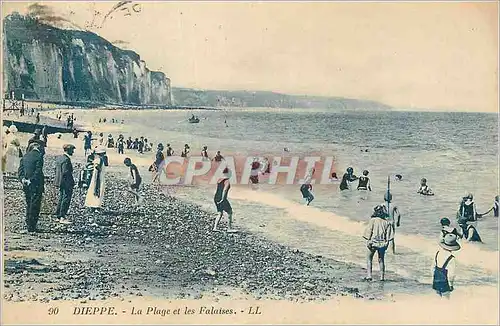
136	179
120	144
86	173
444	266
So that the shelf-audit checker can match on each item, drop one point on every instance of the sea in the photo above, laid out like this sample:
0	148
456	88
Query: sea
457	152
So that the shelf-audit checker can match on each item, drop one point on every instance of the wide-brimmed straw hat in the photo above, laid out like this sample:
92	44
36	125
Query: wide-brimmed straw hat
450	242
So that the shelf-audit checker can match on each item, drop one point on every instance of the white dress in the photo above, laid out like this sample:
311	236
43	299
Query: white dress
12	153
91	200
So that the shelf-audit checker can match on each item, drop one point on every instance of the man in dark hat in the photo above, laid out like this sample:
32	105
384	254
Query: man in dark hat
64	180
30	174
37	139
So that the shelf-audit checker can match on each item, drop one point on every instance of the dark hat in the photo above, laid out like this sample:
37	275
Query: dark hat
350	169
68	146
445	221
160	145
365	172
379	211
38	131
127	161
450	242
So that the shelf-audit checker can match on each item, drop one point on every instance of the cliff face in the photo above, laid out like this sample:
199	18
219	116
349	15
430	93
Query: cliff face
51	64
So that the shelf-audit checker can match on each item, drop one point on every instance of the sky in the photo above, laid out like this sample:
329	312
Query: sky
427	55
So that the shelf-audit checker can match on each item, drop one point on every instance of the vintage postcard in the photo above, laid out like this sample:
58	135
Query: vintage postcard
199	162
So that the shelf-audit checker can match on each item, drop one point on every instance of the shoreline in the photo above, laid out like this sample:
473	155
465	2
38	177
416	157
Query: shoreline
64	253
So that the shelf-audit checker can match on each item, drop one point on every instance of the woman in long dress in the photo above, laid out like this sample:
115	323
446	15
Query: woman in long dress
12	148
95	193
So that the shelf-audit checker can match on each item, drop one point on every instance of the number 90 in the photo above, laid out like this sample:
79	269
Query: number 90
53	311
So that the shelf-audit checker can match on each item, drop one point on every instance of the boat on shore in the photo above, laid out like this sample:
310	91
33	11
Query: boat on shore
30	127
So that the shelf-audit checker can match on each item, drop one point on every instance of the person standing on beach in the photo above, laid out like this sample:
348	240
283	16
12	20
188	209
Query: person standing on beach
136	179
120	144
444	266
254	172
378	234
95	193
36	139
221	201
140	146
347	178
394	218
129	143
11	150
159	164
101	140
135	144
64	180
30	174
170	151
87	143
37	119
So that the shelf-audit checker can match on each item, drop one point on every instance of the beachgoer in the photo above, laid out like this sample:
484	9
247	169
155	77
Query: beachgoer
104	120
37	119
135	144
140	146
334	177
446	228
136	179
218	157
394	218
36	139
129	143
12	150
221	201
266	166
185	151
495	206
120	144
378	234
65	182
159	164
170	151
101	140
444	266
110	142
469	232
399	177
254	172
87	142
30	174
95	193
347	178
467	210
364	182
204	153
86	173
306	188
424	188
75	133
147	146
45	136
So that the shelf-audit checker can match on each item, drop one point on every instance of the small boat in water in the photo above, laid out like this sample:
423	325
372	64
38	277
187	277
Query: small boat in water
194	120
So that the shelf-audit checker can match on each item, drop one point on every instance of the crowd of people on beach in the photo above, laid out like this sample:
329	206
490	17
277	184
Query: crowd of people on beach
379	234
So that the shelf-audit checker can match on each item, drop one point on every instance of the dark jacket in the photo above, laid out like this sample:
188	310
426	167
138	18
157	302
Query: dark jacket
64	172
31	168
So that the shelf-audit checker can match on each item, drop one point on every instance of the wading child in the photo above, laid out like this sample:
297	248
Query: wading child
444	266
